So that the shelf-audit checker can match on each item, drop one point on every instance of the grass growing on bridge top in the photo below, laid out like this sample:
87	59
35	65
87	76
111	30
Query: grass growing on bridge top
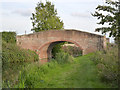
82	73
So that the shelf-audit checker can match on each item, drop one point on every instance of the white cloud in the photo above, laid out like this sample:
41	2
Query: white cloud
23	12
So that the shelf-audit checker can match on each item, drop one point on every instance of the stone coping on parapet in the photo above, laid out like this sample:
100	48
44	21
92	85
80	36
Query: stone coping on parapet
63	30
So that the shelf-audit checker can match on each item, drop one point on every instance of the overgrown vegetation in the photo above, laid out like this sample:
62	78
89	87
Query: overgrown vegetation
11	53
63	58
56	49
37	71
108	15
107	64
81	73
72	50
13	56
9	37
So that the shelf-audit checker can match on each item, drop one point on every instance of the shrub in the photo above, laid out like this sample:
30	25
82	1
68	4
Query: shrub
9	37
57	48
107	63
74	51
11	53
63	57
13	57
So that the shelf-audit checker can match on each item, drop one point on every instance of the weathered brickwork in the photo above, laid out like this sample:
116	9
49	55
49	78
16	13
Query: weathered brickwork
43	42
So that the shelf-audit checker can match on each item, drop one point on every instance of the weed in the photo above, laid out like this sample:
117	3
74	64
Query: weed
107	63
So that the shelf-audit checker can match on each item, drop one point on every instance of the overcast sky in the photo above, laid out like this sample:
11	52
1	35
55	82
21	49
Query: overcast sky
76	14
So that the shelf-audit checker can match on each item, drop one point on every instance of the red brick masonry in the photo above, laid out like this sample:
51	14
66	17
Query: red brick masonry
43	42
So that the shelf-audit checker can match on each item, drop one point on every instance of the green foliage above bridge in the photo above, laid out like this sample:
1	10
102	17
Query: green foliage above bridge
45	17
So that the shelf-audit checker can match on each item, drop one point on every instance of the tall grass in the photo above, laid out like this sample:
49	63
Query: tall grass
107	63
63	57
13	58
81	73
35	74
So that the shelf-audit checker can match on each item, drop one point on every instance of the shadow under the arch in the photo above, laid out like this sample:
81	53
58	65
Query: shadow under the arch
51	46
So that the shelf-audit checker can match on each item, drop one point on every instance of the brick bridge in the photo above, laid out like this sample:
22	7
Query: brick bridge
43	42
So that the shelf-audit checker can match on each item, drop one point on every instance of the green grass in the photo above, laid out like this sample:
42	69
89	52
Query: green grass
82	73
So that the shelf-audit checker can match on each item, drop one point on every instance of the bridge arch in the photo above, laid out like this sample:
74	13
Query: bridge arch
46	49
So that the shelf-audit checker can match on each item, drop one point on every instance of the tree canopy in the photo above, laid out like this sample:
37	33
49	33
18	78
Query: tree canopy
45	17
111	17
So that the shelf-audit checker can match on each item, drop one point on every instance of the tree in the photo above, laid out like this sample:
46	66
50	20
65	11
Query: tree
112	18
45	17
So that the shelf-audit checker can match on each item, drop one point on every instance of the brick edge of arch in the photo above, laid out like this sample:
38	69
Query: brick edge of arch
58	41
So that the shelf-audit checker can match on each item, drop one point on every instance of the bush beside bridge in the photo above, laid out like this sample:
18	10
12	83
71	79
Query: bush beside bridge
13	56
107	64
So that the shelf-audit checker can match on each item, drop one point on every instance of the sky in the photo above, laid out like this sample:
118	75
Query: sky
76	14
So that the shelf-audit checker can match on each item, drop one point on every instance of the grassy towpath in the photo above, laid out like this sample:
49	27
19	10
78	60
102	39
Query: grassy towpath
82	73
